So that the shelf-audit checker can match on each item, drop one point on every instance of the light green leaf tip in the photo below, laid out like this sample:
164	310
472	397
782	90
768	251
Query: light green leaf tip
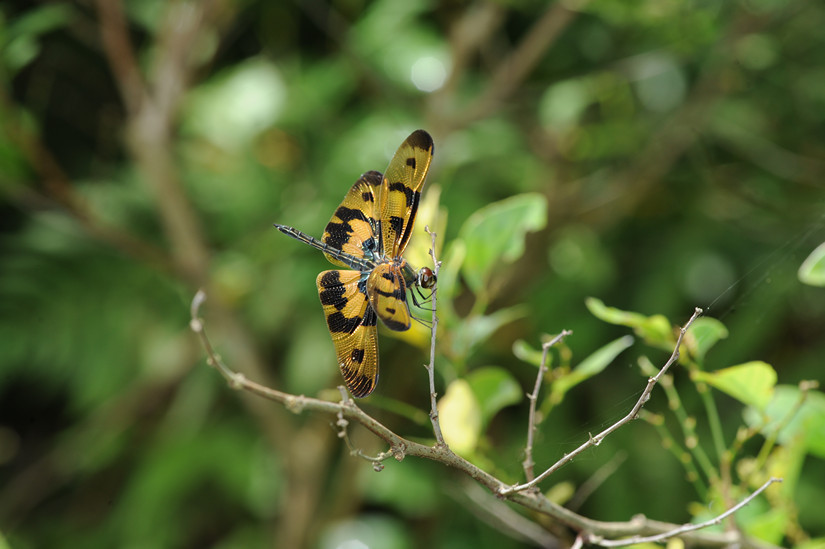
655	330
751	383
526	353
812	270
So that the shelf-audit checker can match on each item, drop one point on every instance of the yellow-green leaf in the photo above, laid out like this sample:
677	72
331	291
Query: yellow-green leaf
460	416
812	270
655	330
751	383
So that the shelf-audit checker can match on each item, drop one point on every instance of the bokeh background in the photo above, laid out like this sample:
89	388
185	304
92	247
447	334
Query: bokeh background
147	146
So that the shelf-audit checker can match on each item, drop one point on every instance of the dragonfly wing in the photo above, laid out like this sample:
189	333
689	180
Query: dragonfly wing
352	324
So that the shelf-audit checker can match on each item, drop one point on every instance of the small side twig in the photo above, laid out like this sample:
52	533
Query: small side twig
341	425
439	438
685	527
596	440
528	462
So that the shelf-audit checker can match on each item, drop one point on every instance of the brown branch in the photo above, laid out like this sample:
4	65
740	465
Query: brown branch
114	31
401	447
685	528
514	69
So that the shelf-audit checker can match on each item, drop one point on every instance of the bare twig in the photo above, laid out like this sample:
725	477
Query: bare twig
528	462
685	527
439	438
596	440
342	425
401	447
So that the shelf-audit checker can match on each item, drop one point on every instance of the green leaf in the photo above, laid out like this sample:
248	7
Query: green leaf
655	330
589	367
495	234
703	334
20	44
751	383
812	270
808	421
494	388
475	329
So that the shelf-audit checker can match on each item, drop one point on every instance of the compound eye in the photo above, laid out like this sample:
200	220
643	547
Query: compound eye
426	278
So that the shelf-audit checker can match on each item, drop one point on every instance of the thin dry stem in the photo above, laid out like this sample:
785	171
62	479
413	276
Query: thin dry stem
596	440
439	438
528	462
685	527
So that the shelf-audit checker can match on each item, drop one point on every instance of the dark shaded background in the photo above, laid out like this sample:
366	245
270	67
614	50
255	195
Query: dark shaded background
145	153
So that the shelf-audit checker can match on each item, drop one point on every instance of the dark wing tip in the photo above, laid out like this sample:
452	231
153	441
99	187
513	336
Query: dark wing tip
421	139
362	386
373	177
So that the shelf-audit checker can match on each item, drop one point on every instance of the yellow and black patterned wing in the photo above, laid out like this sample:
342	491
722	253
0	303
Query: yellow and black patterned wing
401	190
351	322
353	224
387	292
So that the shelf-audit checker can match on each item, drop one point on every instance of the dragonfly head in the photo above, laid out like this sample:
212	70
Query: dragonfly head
426	277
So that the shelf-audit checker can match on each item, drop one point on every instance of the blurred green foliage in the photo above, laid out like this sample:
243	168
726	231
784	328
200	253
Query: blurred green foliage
655	155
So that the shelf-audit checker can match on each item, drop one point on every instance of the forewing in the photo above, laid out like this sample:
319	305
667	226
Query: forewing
351	322
401	190
353	226
387	293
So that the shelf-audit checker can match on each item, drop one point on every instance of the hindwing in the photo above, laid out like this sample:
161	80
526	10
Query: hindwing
387	293
352	324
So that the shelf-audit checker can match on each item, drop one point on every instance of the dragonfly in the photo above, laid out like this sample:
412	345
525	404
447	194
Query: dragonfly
368	234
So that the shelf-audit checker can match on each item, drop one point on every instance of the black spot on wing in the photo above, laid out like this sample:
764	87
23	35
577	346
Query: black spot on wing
333	291
338	323
396	224
370	318
338	232
395	326
402	188
398	293
357	355
411	162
